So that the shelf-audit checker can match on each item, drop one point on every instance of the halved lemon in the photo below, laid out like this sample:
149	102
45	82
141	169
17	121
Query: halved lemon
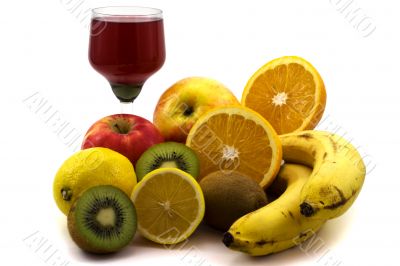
288	92
236	139
169	205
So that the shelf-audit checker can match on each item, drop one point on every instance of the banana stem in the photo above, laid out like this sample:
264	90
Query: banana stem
228	239
306	209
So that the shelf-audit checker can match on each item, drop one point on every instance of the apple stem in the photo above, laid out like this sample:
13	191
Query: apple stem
121	126
118	128
188	111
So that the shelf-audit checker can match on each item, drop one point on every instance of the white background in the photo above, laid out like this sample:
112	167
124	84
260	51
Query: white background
43	52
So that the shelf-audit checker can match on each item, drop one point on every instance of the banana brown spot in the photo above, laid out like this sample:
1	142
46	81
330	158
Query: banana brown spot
325	154
325	191
334	145
302	234
342	197
264	242
283	214
342	201
291	215
306	136
238	233
261	242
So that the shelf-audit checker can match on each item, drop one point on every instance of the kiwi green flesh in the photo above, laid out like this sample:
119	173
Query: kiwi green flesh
168	154
102	220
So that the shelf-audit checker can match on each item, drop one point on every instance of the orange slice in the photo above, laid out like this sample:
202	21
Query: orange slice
236	138
288	92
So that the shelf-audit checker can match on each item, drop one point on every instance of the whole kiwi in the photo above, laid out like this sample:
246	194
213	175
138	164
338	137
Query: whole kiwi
228	196
102	220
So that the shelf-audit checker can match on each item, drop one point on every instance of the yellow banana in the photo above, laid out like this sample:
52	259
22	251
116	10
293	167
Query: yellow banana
278	225
338	171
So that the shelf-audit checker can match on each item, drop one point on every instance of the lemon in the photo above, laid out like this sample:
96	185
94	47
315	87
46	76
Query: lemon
88	168
169	205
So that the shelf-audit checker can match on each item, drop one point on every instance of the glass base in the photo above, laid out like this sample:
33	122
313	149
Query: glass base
126	93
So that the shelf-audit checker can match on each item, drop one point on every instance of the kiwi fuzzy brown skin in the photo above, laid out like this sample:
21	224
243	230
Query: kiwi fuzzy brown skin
229	196
77	238
81	240
173	154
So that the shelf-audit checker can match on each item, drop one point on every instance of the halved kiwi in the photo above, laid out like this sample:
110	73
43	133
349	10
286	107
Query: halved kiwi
102	220
168	154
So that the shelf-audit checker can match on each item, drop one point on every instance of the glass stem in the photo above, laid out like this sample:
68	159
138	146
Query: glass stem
126	107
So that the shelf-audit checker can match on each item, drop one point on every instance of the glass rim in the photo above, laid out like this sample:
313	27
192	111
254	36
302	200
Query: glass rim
127	11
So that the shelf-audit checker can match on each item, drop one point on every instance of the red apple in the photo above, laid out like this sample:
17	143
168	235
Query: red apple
127	134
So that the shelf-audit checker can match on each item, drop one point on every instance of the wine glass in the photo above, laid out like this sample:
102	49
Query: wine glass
126	47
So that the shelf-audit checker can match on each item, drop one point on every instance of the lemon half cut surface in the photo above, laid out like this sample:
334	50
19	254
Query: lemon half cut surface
169	205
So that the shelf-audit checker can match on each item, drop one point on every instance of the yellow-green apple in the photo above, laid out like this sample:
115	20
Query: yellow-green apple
127	134
180	106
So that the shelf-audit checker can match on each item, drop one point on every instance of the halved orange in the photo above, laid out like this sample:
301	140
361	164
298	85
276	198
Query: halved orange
236	138
288	92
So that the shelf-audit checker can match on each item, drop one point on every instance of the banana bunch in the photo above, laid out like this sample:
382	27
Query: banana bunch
322	176
278	225
338	172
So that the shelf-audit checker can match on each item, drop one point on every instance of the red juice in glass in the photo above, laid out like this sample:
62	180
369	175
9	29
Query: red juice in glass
126	50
